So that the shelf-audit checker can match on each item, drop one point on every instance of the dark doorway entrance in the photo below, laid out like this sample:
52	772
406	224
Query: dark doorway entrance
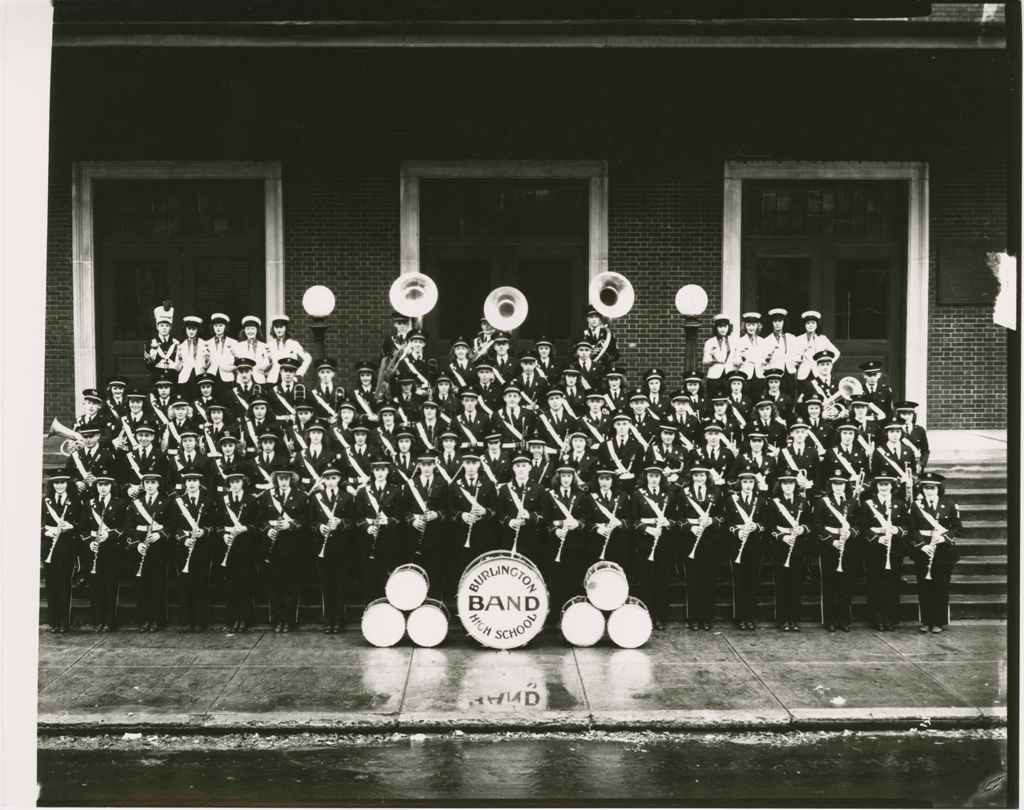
480	234
198	243
839	248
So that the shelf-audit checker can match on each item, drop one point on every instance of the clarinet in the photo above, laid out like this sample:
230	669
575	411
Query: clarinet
789	556
142	562
56	537
327	536
654	546
558	556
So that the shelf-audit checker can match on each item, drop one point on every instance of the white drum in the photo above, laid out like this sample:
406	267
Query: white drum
383	624
630	625
407	587
582	623
427	625
606	585
502	600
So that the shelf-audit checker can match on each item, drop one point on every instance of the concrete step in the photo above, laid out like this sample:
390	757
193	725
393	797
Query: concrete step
977	494
993	564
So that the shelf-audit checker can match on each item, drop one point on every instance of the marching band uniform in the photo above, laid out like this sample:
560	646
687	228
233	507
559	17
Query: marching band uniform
877	391
789	519
804	348
326	395
553	423
90	459
61	515
713	457
190	461
460	369
834	515
191	353
111	512
282	346
115	405
849	457
220	351
311	463
332	555
404	462
195	583
513	422
766	422
153	546
363	394
529	540
360	459
749	353
546	365
496	463
428	489
487	389
596	425
252	348
616	397
590	371
608	507
658	400
232	461
699	505
285	393
717	351
892	457
820	433
470	422
725	420
913	434
935	527
286	551
740	406
160	353
567	557
542	470
379	498
783	402
599	334
746	509
883	559
240	512
573	391
667	455
531	384
800	458
755	460
471	487
449	463
654	515
244	390
136	463
407	403
96	416
821	383
268	459
776	346
505	366
623	454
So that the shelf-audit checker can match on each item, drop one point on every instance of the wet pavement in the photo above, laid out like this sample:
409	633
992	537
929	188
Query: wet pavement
940	769
680	680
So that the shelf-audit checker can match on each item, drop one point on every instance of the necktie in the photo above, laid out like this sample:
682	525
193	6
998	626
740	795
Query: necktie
565	494
149	500
194	501
700	493
746	501
266	459
315	454
60	501
237	501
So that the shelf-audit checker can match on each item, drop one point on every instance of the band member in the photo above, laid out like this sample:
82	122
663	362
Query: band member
406	402
363	394
658	404
258	424
849	457
484	340
518	510
115	405
894	458
189	460
360	457
250	345
426	506
546	365
145	458
505	366
884	528
241	545
495	461
701	521
415	366
232	461
542	470
245	389
203	384
95	415
750	354
385	435
591	373
160	353
310	464
610	518
935	527
644	425
667	455
773	392
836	522
717	351
179	422
799	458
723	418
806	347
280	345
913	434
102	522
565	512
821	433
148	527
294	431
195	520
135	416
60	532
445	399
330	512
216	429
327	394
404	461
270	458
470	422
776	346
595	423
513	422
739	404
191	359
286	393
622	453
471	503
713	458
767	422
449	465
339	438
281	514
746	516
83	464
160	399
877	392
599	334
655	520
460	368
553	424
695	402
379	514
487	389
789	519
393	345
572	391
220	351
820	383
616	397
532	386
758	461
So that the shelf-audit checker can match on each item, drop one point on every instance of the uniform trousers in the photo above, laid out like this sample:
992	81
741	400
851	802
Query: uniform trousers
195	585
58	575
285	574
238	578
933	594
883	587
151	587
836	587
788	584
379	557
331	571
654	578
701	574
746	576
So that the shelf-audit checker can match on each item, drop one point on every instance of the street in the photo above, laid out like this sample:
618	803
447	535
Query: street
916	767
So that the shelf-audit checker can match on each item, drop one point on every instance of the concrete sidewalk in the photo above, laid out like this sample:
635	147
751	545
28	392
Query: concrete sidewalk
724	680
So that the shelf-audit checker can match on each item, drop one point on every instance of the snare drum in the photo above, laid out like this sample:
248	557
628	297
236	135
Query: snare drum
606	585
630	625
582	623
383	624
407	587
428	624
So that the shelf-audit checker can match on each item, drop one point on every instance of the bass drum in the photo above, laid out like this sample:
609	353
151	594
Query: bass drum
427	625
606	585
582	623
630	625
502	600
383	624
407	587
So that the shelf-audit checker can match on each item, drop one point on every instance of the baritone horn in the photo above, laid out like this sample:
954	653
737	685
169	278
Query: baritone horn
73	440
505	308
611	294
413	294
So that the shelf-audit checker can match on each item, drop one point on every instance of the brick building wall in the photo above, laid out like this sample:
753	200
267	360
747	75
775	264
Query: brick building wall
59	360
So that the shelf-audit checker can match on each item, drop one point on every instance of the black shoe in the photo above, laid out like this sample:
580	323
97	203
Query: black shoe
279	627
286	628
845	628
326	630
831	628
659	625
706	625
54	629
243	627
794	627
693	626
784	627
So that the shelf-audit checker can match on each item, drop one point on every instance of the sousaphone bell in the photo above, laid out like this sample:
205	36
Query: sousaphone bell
611	294
505	308
413	294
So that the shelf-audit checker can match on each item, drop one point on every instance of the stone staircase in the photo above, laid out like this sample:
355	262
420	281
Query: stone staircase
979	586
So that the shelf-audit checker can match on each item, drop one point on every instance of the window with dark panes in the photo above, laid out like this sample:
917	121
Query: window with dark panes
476	235
862	299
